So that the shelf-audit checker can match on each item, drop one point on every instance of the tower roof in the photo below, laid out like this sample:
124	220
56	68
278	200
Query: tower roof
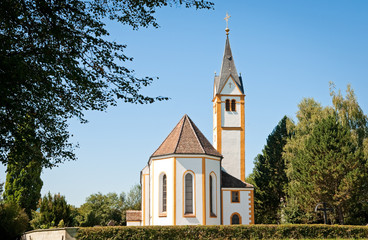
227	69
186	138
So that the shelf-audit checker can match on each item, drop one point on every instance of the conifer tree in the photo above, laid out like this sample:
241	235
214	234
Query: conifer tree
54	211
23	175
269	175
326	161
328	169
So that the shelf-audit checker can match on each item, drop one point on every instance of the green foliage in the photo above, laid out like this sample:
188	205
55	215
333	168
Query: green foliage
224	232
269	175
53	211
100	209
326	162
56	62
13	221
23	174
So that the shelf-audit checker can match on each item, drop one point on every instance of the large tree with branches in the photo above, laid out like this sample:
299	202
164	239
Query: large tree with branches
55	63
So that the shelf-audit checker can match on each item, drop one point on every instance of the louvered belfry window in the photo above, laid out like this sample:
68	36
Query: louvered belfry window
188	194
233	105
164	194
227	104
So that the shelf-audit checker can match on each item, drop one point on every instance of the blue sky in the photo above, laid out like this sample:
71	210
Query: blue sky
286	50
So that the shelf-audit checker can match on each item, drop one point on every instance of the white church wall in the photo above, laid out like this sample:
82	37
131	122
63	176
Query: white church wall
195	165
230	88
157	167
231	151
134	223
230	118
213	166
242	208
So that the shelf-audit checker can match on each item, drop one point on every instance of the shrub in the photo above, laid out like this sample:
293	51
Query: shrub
13	221
297	231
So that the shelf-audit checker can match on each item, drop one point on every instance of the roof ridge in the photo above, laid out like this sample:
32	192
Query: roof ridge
195	134
181	131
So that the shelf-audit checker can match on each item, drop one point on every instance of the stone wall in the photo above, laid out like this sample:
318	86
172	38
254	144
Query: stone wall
51	234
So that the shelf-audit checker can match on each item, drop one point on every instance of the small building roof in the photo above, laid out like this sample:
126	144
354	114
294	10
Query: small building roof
133	215
186	138
229	181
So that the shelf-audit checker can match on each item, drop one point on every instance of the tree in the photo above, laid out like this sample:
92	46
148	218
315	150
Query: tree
53	211
269	175
326	161
328	169
13	221
23	179
100	209
55	63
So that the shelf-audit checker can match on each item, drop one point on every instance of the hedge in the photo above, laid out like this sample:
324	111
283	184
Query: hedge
297	231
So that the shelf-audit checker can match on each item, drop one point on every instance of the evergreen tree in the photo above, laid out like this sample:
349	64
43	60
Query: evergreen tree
329	145
328	169
269	175
23	175
53	211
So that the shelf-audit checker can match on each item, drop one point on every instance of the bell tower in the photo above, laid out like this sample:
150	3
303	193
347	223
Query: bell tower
228	114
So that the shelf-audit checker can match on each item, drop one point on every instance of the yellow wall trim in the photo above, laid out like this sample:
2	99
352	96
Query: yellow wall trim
153	189
222	209
204	190
232	128
242	142
144	199
218	124
174	193
233	189
251	220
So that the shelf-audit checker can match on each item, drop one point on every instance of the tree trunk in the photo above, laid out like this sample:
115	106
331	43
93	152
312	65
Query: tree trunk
341	215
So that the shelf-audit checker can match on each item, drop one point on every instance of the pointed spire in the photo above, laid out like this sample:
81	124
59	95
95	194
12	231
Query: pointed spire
228	69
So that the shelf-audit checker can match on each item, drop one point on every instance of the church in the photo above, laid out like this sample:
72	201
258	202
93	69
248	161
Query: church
189	181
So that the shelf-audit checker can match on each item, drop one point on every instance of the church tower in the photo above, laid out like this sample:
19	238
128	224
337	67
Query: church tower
228	115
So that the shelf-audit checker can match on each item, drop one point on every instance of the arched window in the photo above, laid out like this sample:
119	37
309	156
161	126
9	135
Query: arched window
188	194
213	193
163	195
233	105
227	105
235	219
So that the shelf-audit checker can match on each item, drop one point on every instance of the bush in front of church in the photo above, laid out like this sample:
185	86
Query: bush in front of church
291	231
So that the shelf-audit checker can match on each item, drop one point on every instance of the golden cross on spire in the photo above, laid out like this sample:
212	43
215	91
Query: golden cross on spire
227	20
227	23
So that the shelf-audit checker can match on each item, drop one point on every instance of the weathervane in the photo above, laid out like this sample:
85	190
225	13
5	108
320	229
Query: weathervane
227	23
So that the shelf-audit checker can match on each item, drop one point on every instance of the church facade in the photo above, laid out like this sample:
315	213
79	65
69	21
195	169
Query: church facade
189	181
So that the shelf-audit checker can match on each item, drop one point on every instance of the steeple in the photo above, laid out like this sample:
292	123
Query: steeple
228	114
228	69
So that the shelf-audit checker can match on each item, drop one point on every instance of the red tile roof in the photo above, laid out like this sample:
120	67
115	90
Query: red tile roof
186	138
134	215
